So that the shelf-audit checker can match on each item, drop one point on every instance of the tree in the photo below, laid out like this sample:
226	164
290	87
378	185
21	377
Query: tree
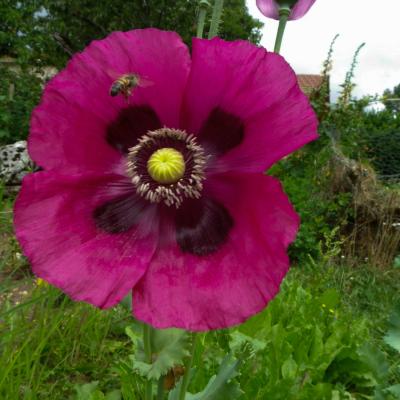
47	32
391	99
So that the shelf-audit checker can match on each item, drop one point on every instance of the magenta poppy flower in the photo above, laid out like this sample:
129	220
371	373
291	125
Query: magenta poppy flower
270	8
163	193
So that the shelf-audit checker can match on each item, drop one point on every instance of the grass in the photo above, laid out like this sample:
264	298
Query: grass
365	290
49	344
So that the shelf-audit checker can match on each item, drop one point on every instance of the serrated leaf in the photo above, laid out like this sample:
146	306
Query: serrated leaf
239	341
219	387
392	338
132	334
169	348
88	391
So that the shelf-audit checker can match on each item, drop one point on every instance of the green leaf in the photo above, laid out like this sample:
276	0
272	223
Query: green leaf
289	369
242	343
219	387
169	348
394	390
330	298
375	360
175	392
127	302
130	332
392	338
89	391
114	395
317	347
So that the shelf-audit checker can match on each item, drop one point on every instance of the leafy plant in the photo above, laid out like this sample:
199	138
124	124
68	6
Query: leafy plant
20	91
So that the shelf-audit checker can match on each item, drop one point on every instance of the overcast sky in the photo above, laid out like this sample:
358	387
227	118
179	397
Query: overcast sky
306	41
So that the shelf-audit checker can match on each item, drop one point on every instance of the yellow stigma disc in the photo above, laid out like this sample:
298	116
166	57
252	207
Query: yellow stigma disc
166	165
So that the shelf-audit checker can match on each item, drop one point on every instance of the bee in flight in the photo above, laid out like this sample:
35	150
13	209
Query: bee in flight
125	84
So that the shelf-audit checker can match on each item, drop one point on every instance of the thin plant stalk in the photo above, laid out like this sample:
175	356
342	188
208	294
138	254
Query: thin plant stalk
160	388
216	18
147	351
284	13
188	367
202	18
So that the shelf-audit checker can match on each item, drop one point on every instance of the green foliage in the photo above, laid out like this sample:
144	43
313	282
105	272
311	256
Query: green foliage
237	24
312	348
382	142
380	360
47	339
49	31
169	346
348	84
89	391
392	337
306	180
391	99
219	387
19	93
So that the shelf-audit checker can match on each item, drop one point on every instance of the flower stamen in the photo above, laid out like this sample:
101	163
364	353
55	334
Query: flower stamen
167	165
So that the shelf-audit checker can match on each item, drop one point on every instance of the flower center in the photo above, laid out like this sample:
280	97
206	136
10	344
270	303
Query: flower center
166	165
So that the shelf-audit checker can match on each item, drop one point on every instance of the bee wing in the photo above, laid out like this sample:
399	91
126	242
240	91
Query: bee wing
143	82
113	74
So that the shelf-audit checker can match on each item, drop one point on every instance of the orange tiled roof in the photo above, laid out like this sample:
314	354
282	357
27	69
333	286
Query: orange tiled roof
309	82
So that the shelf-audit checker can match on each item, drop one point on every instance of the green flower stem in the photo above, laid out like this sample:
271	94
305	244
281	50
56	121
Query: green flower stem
160	388
284	13
147	351
202	18
188	367
216	18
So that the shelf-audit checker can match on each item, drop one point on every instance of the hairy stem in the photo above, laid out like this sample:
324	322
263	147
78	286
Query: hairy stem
216	18
202	18
284	13
188	367
160	388
147	351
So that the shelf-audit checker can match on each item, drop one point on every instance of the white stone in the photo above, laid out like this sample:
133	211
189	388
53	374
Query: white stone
14	163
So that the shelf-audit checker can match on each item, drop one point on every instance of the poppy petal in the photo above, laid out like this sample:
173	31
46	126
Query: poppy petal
202	226
301	8
119	214
55	226
131	123
239	279
221	132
